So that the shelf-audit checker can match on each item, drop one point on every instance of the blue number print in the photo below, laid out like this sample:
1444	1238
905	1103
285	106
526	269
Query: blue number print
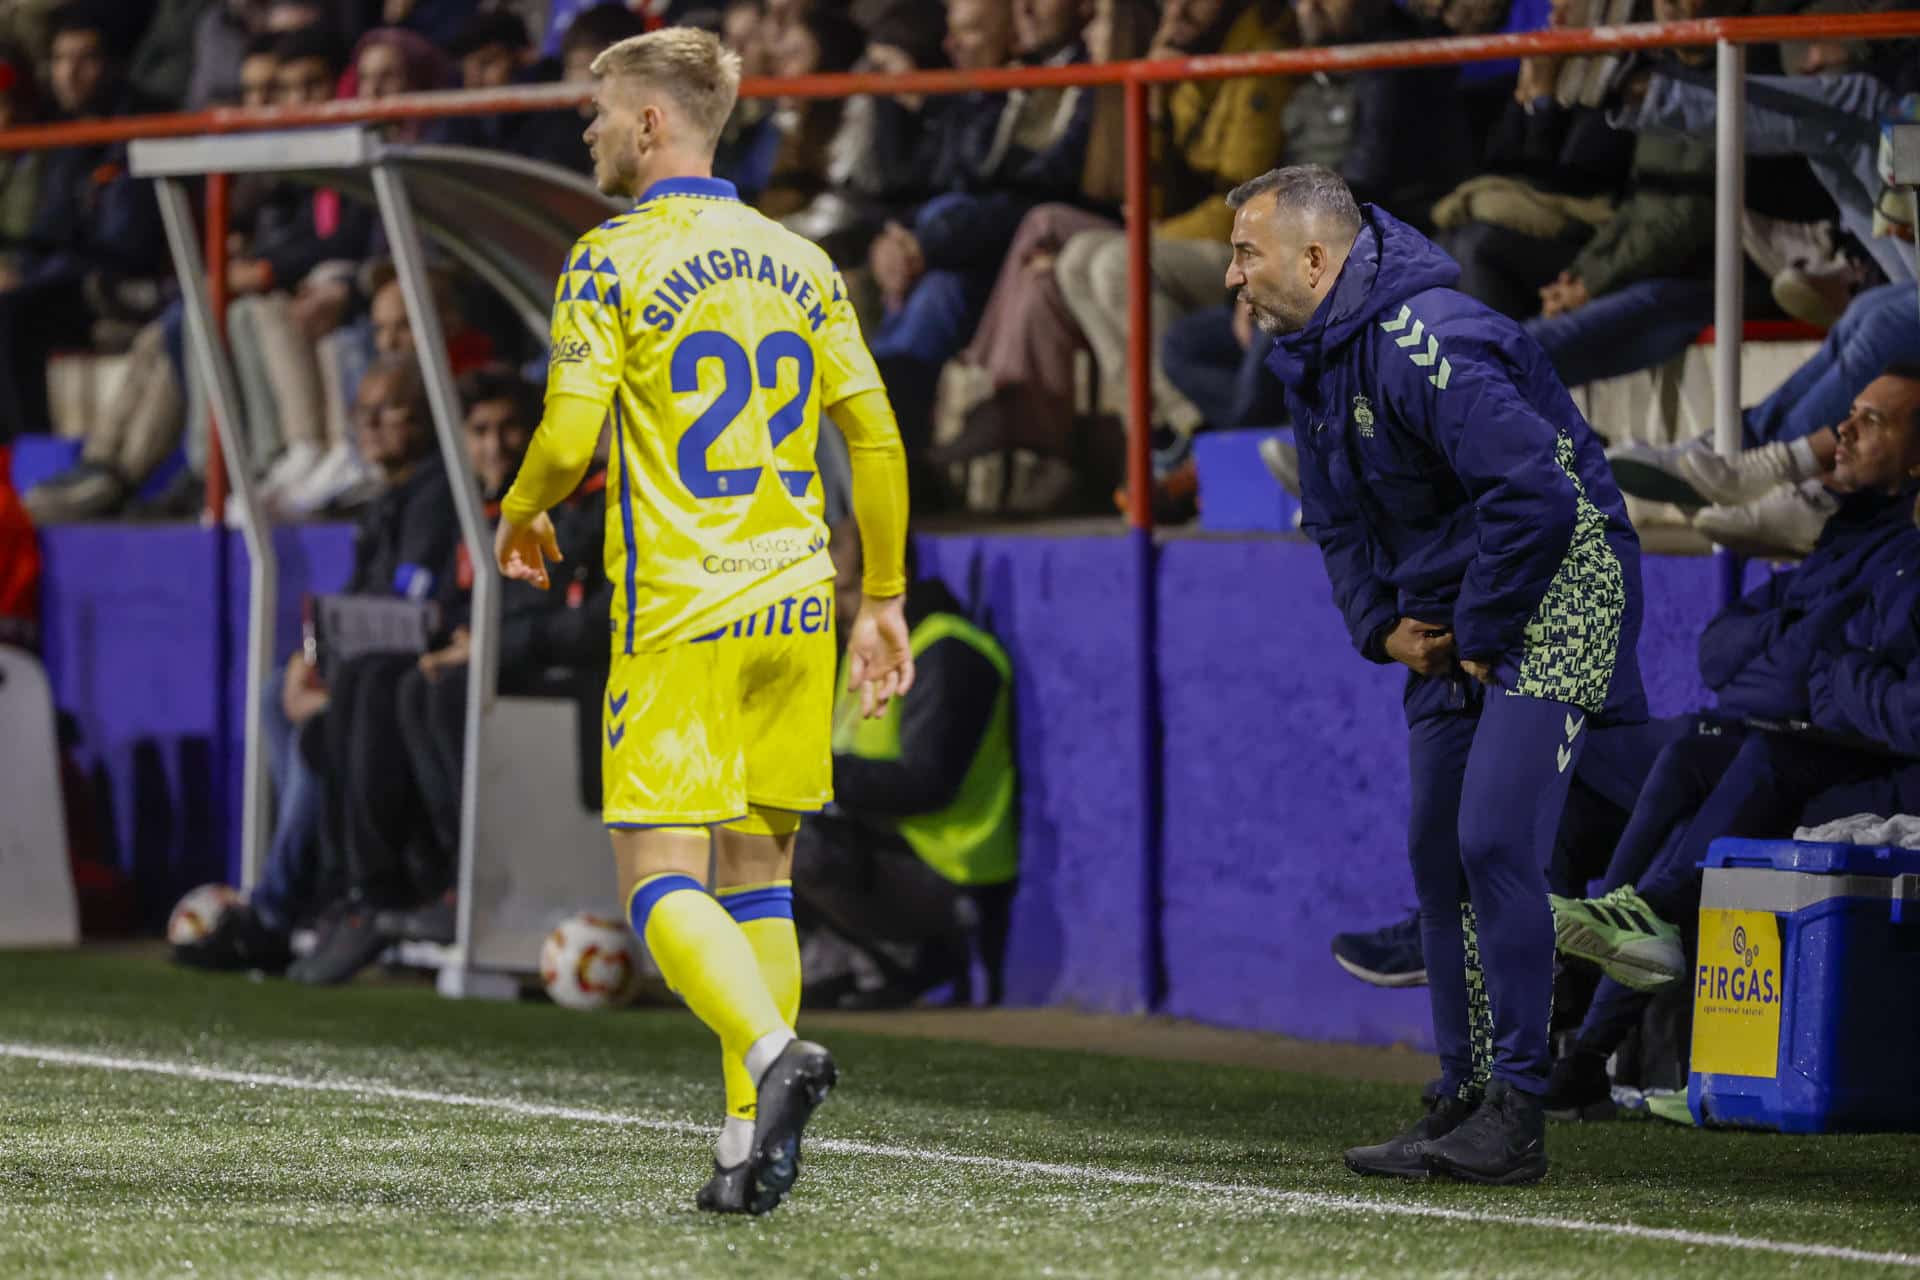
774	348
736	391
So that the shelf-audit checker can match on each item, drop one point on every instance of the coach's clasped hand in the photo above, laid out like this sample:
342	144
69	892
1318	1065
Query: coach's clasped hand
1426	648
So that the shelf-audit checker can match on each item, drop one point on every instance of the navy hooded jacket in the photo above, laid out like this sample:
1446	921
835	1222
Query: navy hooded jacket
1447	476
1869	683
1756	653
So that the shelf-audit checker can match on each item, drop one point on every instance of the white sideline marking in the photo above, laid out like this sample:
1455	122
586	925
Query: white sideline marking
1293	1201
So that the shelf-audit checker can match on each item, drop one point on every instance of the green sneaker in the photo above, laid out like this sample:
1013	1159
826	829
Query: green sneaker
1620	933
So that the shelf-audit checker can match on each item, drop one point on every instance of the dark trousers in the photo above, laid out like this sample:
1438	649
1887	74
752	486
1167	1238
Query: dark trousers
869	886
433	726
36	320
1489	782
1230	386
1506	269
372	819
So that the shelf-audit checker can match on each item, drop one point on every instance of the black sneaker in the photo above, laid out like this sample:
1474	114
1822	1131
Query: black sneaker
797	1082
354	941
727	1191
1579	1089
239	942
1389	957
1400	1155
436	921
1504	1142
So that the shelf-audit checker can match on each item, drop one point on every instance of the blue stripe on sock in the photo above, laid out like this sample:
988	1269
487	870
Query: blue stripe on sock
774	903
648	896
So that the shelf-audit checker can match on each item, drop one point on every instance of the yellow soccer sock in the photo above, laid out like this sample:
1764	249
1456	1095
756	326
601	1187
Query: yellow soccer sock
765	915
704	956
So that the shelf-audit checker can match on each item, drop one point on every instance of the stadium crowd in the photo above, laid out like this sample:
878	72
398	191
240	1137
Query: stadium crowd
980	237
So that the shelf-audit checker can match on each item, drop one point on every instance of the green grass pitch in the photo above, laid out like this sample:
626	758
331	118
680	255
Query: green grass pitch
160	1123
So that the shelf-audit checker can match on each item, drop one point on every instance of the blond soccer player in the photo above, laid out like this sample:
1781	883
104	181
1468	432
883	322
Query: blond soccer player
709	340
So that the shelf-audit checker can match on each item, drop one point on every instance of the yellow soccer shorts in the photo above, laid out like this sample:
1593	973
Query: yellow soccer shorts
697	732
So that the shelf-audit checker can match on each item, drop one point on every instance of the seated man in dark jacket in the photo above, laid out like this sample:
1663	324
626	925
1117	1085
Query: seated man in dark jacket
404	545
917	856
551	642
1768	659
393	764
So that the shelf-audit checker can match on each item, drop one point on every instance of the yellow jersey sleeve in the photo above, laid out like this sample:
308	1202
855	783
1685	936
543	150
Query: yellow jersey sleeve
588	334
846	365
585	369
879	464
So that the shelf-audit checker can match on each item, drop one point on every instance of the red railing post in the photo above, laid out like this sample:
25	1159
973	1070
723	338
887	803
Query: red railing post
216	253
1139	310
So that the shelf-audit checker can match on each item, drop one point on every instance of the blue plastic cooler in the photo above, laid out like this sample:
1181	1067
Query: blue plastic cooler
1806	1006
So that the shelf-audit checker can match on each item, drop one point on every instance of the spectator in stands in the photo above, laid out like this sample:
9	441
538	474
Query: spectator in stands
222	33
988	158
1028	338
1549	177
857	196
919	853
1832	119
802	132
354	734
96	242
438	21
1409	139
162	62
1770	660
399	827
555	136
550	642
495	52
20	171
259	65
1213	136
1640	289
403	545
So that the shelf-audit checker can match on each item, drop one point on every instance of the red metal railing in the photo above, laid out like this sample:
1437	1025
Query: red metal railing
1135	76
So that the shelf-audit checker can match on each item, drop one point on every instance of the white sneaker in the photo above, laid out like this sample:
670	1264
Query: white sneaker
1693	475
1784	524
1283	462
336	473
288	470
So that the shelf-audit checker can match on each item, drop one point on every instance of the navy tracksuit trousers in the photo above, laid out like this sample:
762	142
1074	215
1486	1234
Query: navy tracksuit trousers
1490	773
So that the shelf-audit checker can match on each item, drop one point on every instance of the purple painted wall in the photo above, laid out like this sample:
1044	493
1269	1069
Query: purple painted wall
1282	752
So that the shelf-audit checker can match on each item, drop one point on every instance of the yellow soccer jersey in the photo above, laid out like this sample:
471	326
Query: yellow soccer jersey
716	338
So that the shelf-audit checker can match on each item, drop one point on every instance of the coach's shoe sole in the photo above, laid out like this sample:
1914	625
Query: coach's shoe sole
792	1089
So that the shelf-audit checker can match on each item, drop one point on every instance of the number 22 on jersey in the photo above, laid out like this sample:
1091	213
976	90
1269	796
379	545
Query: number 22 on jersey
740	375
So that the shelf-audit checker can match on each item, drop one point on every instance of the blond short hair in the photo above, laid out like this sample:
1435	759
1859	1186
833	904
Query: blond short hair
695	70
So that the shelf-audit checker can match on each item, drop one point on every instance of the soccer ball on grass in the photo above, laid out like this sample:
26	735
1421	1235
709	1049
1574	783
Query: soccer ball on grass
199	913
590	962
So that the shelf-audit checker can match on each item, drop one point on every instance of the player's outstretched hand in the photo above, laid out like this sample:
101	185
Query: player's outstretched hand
879	655
524	551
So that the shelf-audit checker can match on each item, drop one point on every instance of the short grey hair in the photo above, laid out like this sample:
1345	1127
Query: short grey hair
1312	189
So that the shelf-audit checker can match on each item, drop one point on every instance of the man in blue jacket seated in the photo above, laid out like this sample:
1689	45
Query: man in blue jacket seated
1817	658
1472	532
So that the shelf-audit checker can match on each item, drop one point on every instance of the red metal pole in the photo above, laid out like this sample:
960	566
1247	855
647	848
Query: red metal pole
1139	311
216	255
